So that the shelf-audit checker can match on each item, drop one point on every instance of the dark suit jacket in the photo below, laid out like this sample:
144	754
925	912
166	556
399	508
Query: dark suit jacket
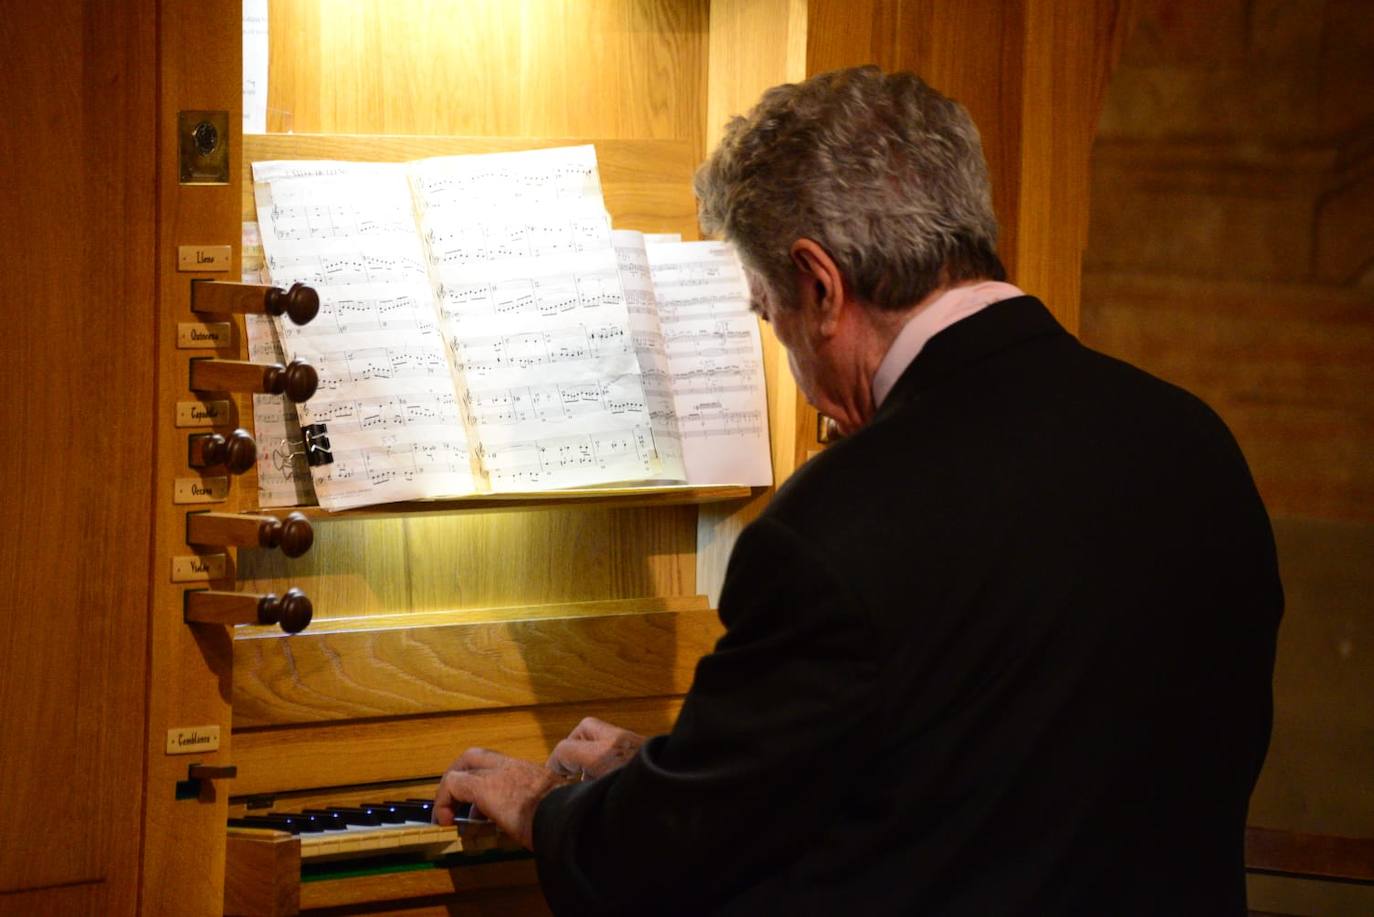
1007	650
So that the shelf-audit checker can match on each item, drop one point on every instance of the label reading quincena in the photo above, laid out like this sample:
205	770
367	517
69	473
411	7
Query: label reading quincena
203	413
191	739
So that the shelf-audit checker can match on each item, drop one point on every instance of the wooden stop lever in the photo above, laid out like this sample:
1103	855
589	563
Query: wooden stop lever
293	534
300	303
292	611
236	452
297	380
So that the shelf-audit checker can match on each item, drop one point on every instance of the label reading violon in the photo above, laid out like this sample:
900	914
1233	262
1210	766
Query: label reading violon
199	568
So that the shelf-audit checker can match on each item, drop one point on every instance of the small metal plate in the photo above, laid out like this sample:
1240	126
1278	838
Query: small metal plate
204	413
204	258
191	739
199	335
200	490
203	147
199	568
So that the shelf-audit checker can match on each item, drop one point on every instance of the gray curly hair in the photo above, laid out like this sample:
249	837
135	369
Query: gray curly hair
885	173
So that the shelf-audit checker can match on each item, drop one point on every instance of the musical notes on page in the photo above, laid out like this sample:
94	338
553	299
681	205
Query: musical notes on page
714	357
535	317
386	394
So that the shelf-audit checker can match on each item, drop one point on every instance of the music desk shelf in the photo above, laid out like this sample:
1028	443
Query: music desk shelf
602	497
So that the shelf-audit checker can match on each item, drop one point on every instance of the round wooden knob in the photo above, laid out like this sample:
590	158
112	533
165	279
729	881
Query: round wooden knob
297	380
237	452
292	611
296	535
301	303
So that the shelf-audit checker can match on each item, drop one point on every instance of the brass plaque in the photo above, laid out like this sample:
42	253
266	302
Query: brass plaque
200	568
204	413
207	258
194	335
188	740
200	490
203	147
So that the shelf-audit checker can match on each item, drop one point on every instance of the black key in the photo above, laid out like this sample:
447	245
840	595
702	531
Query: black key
413	811
355	816
387	813
331	820
303	823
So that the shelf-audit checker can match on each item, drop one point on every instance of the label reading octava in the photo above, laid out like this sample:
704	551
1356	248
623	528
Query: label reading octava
193	335
199	568
202	413
191	739
200	490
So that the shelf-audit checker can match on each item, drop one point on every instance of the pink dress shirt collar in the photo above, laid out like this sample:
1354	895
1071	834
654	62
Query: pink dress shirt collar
948	308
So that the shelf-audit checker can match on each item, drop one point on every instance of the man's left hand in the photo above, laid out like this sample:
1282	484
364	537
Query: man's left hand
504	789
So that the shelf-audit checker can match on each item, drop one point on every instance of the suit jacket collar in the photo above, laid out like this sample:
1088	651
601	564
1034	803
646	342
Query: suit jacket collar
996	327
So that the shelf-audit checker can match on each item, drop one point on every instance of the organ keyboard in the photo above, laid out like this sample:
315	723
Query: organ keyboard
321	851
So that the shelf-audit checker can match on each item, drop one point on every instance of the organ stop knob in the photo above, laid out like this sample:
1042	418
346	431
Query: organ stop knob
300	303
297	380
236	452
293	534
291	611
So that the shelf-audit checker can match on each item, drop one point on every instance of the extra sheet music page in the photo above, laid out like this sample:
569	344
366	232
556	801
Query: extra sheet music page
715	359
534	314
386	397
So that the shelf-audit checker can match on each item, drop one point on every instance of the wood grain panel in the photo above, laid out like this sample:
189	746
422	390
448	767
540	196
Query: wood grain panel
647	184
281	759
506	888
526	68
486	560
77	218
1289	367
397	669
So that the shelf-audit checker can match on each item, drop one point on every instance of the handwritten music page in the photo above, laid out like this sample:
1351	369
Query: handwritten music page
534	314
715	358
386	396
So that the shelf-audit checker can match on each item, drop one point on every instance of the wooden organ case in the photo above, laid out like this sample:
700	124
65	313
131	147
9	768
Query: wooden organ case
498	621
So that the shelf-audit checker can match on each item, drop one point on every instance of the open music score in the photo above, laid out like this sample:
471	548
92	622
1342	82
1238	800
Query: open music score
481	328
714	356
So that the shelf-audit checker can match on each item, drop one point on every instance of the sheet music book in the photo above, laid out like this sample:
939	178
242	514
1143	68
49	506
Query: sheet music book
482	329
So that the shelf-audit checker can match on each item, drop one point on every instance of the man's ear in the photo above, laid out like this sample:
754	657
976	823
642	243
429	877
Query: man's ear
817	270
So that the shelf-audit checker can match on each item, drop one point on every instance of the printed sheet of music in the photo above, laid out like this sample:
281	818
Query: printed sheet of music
483	329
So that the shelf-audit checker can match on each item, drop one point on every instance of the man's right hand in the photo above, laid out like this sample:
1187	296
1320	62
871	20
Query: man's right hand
593	749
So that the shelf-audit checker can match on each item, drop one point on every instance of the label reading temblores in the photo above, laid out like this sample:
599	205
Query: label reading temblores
191	739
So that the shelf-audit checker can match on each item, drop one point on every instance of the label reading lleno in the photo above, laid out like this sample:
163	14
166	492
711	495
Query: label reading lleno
191	739
202	413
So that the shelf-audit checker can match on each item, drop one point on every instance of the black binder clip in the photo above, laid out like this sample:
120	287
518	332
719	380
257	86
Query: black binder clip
316	438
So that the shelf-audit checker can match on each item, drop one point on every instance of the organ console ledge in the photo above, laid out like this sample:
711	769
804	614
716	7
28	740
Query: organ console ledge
291	611
294	534
297	380
301	303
